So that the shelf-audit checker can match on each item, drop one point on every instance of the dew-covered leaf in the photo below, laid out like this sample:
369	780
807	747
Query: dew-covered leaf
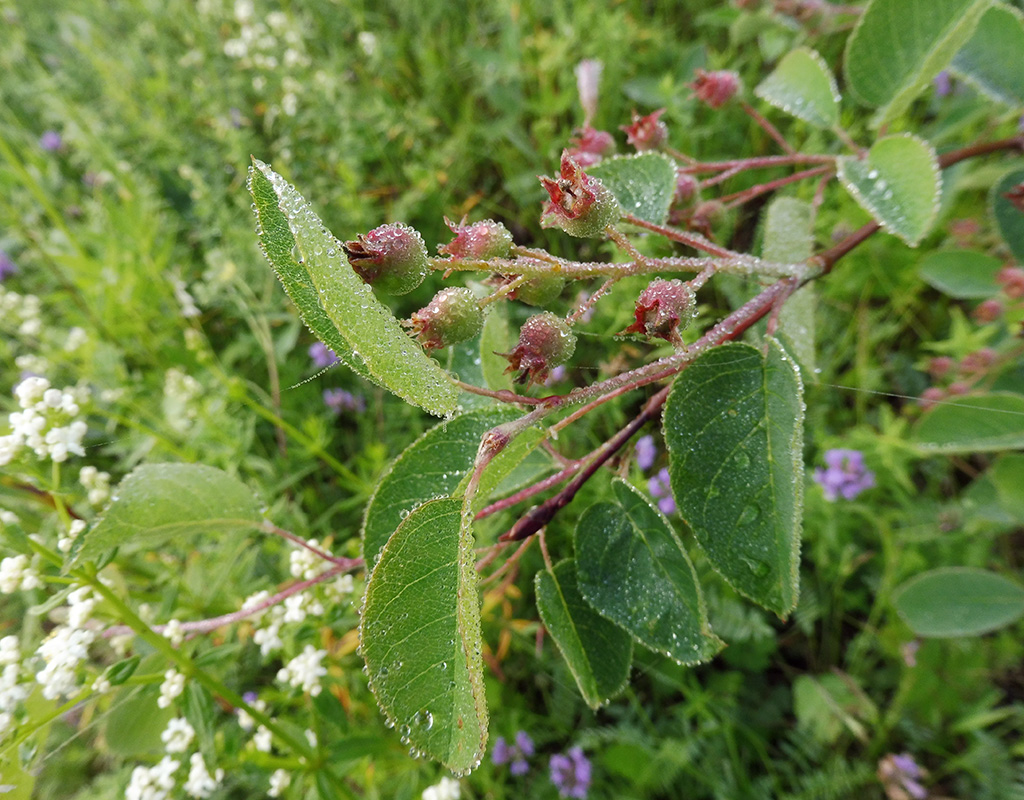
898	183
972	423
420	636
374	336
644	184
432	466
1009	218
991	60
802	85
633	569
789	239
155	503
495	339
734	428
958	601
597	651
898	46
963	274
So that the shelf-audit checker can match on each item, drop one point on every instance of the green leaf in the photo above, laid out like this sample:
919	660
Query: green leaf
789	239
734	428
644	184
494	339
898	46
434	466
828	704
598	652
135	722
972	423
118	673
634	571
1009	218
373	335
158	502
420	636
963	274
898	183
802	85
199	711
991	60
958	601
1007	476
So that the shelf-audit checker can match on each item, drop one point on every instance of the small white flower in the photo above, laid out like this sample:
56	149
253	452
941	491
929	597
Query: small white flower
445	789
305	670
262	740
311	738
278	783
200	783
16	573
178	735
76	338
368	42
62	651
172	687
173	632
101	685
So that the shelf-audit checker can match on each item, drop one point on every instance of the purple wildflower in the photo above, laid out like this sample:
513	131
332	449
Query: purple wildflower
571	773
50	141
321	355
7	266
844	476
646	451
899	774
339	400
556	375
514	754
660	489
943	84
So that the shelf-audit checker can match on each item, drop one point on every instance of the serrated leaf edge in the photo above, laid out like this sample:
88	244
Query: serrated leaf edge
817	58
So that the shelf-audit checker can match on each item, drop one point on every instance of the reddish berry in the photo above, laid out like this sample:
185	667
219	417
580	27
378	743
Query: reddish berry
545	342
686	188
663	309
988	311
978	361
589	146
647	133
939	366
959	388
481	240
1012	281
539	290
715	88
391	258
1016	196
580	205
453	316
930	397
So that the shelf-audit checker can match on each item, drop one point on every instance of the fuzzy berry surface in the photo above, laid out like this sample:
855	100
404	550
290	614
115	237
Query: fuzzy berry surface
391	258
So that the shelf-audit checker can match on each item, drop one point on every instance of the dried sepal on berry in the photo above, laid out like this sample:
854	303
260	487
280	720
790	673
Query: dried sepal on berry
647	132
545	341
715	88
483	240
663	309
391	258
580	204
453	316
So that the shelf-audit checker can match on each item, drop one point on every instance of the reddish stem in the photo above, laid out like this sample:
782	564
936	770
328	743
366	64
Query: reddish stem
768	128
733	200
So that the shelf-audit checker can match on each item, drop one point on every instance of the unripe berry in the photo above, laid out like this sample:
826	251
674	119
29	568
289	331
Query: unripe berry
930	397
545	342
663	309
580	205
939	366
647	133
391	258
1012	281
482	240
590	145
539	290
686	188
715	88
988	311
453	316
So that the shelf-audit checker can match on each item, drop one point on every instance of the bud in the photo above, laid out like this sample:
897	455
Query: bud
686	188
1012	281
545	342
481	240
977	362
453	316
939	366
715	88
663	309
988	311
647	133
589	146
391	258
539	290
588	76
580	205
930	397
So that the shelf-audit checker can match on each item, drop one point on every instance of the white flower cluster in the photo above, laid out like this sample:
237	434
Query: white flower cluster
180	392
16	573
21	312
81	602
96	483
65	543
46	424
295	609
278	782
63	650
178	735
200	782
305	563
152	783
11	692
305	670
172	687
445	789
